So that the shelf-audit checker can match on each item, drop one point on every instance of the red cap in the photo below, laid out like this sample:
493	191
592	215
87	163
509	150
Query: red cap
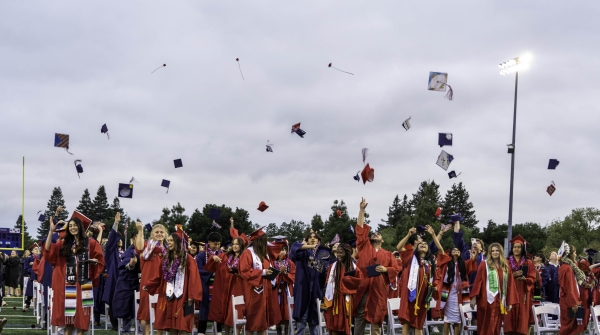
367	174
257	233
262	206
518	239
182	236
84	219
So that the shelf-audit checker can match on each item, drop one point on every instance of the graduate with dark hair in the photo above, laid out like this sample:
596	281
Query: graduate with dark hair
519	318
213	248
127	283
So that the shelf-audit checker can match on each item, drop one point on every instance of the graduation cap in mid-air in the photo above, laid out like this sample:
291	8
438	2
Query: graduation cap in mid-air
438	82
104	130
438	213
262	206
453	174
357	177
406	123
178	163
296	129
269	146
444	139
215	214
62	141
125	190
367	174
41	217
553	163
551	189
165	183
78	167
444	160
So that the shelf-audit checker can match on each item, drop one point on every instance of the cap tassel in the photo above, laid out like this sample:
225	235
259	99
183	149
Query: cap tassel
164	65
216	225
108	136
333	67
238	60
450	93
67	150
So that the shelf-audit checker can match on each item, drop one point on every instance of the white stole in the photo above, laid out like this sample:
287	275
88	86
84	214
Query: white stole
414	274
175	288
330	288
491	295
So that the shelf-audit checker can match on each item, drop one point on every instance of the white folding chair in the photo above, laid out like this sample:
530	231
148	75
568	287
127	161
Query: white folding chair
549	322
595	314
25	281
393	322
237	322
36	311
322	327
153	300
290	302
466	317
540	326
431	322
49	313
136	297
106	317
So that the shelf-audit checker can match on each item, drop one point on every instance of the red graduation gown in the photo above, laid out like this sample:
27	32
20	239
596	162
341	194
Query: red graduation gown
377	287
406	313
223	277
170	314
280	295
568	298
520	316
339	321
82	316
489	319
260	314
150	268
441	270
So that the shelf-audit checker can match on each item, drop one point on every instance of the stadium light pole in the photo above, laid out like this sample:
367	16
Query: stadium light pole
513	65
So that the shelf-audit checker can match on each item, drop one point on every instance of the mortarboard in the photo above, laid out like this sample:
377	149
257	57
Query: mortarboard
357	177
339	213
452	174
78	167
518	239
257	233
333	67
178	163
125	190
61	141
444	139
455	217
553	163
421	229
165	183
60	226
372	272
352	243
34	245
551	189
215	214
591	252
269	146
564	248
367	174
336	239
182	236
438	213
296	129
262	206
406	123
42	217
84	219
104	130
148	227
438	82
444	160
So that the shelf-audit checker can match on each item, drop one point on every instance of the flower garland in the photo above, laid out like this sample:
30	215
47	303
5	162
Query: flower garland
209	253
169	275
280	264
232	262
513	264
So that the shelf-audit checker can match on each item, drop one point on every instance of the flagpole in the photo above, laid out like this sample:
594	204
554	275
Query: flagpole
23	208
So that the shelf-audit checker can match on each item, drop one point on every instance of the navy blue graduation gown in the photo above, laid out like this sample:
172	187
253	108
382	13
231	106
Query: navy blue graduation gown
205	277
127	283
28	272
111	262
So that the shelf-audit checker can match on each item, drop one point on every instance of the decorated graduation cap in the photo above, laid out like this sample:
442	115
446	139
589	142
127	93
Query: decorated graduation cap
453	174
178	163
125	190
444	139
34	245
215	214
406	123
262	206
336	239
553	163
104	130
269	146
438	82
357	177
296	129
78	167
551	189
367	174
335	68
563	250
444	160
84	219
257	233
160	67
62	141
238	61
165	183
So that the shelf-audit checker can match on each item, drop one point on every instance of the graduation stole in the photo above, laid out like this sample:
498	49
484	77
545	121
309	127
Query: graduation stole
413	278
78	272
493	287
330	288
175	288
256	265
424	279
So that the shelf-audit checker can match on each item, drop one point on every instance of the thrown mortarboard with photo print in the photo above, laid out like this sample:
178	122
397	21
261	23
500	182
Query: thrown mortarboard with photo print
438	81
125	190
444	160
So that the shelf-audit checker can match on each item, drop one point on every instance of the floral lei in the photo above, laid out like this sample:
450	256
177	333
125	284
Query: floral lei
232	262
279	264
513	264
169	275
209	253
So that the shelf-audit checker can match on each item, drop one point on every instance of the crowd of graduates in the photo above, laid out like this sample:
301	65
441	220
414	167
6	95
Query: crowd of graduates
194	281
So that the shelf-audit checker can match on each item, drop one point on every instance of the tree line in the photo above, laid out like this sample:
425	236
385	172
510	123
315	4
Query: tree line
581	227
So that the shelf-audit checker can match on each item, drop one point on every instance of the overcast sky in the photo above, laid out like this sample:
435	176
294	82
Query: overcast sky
69	67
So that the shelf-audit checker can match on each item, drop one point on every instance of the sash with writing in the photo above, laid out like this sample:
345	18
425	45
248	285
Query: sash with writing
77	272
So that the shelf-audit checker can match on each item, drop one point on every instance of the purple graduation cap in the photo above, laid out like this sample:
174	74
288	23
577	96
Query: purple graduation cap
215	214
553	163
104	130
165	183
178	163
78	167
444	139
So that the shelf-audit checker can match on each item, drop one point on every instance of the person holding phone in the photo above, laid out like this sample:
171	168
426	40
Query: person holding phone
523	271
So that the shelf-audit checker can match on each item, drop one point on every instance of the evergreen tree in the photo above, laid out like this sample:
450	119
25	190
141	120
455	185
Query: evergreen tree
424	204
493	232
200	224
294	231
344	225
100	207
23	229
457	201
400	217
114	209
317	223
56	199
174	216
86	207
